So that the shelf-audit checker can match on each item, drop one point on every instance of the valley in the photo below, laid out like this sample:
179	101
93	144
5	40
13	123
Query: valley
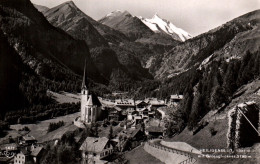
126	88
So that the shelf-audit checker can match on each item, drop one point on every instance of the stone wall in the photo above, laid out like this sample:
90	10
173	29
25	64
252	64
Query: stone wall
166	155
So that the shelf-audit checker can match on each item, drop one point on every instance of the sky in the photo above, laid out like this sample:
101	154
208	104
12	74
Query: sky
193	16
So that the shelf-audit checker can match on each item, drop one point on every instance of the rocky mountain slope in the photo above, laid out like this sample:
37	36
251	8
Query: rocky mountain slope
128	24
76	23
136	29
69	18
38	42
41	8
231	40
159	25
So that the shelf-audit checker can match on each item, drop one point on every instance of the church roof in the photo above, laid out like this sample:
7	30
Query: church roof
93	100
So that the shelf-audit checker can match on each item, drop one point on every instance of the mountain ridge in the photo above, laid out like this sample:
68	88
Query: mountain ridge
195	50
159	25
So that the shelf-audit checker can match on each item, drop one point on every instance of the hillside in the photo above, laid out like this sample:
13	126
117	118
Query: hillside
231	40
10	76
213	77
218	122
33	38
70	19
67	17
36	57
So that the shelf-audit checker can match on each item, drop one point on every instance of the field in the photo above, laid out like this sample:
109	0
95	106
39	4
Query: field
39	130
65	97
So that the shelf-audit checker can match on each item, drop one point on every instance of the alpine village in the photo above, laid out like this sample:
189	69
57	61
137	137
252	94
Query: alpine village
126	89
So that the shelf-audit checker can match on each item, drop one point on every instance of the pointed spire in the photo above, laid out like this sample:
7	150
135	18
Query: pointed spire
84	82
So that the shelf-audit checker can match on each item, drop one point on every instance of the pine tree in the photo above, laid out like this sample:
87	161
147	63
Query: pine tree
110	134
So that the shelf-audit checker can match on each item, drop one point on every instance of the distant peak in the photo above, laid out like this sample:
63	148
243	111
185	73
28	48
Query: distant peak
71	3
114	13
126	13
156	16
117	11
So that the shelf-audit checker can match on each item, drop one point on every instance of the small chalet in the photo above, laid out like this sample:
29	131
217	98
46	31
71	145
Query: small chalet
22	157
175	99
134	136
116	114
154	131
27	140
96	149
36	154
29	155
125	103
141	104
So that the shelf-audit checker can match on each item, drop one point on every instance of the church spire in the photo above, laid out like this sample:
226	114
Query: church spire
84	82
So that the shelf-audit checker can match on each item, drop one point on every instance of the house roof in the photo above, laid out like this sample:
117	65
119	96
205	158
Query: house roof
94	144
142	103
135	132
25	151
124	102
131	132
36	151
178	97
28	137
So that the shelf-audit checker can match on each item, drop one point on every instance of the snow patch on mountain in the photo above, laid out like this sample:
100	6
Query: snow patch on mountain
114	13
158	25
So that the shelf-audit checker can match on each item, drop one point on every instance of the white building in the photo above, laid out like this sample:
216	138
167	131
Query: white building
90	105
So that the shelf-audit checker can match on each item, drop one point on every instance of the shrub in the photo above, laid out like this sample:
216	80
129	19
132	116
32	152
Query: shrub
213	131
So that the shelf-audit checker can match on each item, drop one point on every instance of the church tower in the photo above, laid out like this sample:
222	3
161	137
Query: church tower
90	110
84	96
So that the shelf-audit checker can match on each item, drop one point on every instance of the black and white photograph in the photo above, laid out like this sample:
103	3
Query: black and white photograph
129	81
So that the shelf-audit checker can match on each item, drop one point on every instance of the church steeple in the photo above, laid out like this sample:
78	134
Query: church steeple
84	82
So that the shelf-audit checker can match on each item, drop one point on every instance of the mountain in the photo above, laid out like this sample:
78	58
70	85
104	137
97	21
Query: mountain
41	8
159	25
69	18
39	43
66	16
215	71
126	23
10	76
231	41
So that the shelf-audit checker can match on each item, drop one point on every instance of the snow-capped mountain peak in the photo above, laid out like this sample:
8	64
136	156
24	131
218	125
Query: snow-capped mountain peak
114	13
157	24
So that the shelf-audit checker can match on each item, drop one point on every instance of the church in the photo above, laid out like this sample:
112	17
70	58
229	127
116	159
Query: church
91	108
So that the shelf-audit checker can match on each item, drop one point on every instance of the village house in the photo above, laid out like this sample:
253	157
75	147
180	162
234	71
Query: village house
36	153
130	138
22	157
27	140
28	154
154	131
125	104
94	149
116	114
175	99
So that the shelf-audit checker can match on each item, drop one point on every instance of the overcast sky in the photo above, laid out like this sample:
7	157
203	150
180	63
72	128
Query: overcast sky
194	16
